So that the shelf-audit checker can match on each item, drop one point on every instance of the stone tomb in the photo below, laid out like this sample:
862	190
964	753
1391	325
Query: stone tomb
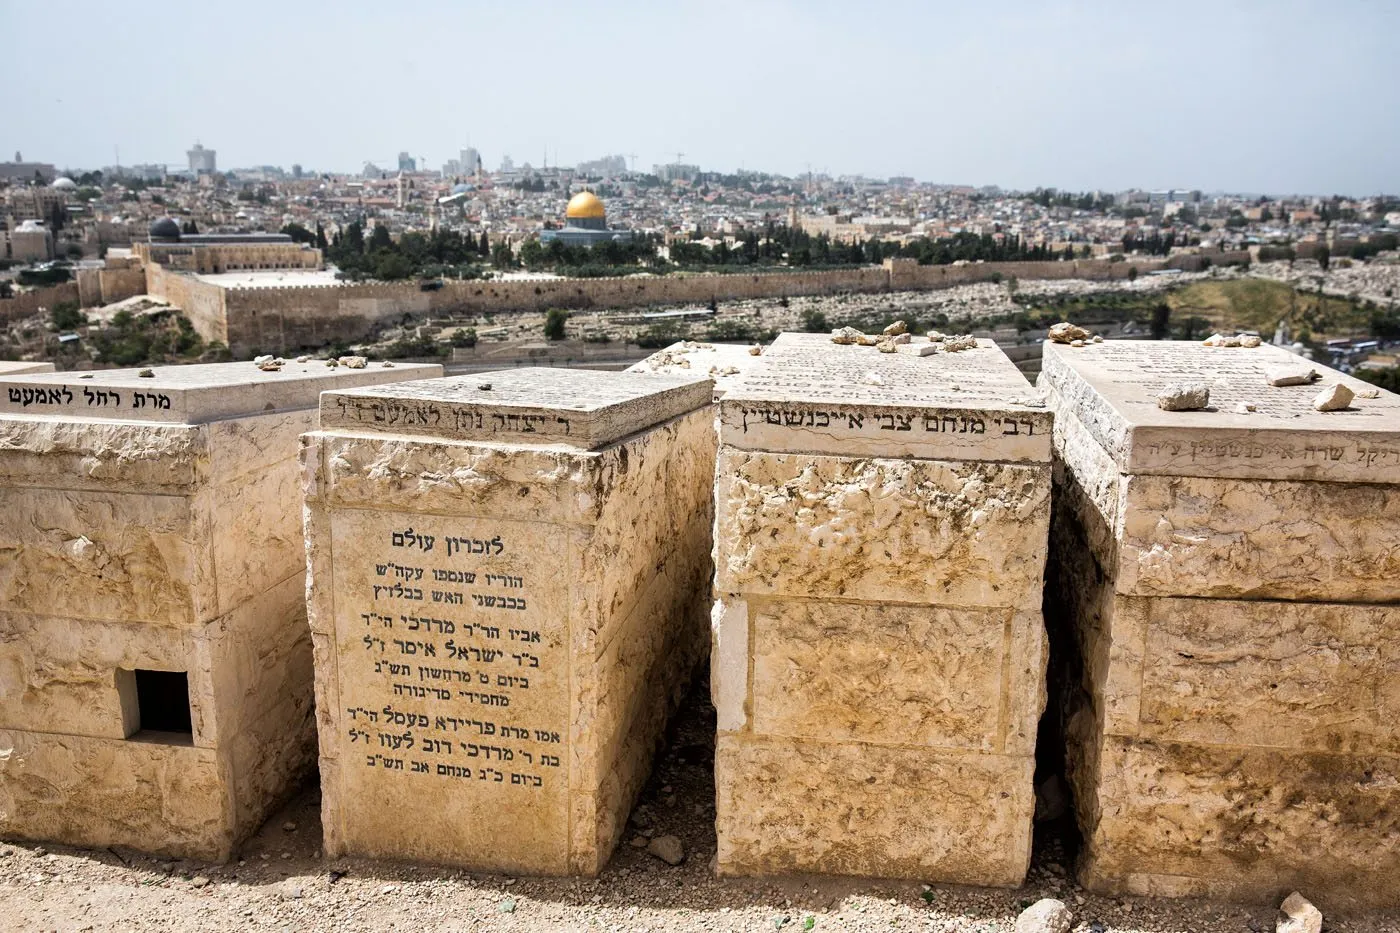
155	667
879	656
509	589
1231	582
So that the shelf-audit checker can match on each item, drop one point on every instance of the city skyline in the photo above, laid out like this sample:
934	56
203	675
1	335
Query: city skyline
1255	98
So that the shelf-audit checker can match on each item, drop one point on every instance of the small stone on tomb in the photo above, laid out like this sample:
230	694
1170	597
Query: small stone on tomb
1370	392
1064	332
901	339
1184	396
354	362
845	336
898	327
1250	340
867	340
1333	398
1291	374
146	374
754	350
886	346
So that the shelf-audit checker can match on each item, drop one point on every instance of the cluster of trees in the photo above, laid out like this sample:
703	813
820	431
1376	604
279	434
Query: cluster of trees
1157	245
379	256
600	259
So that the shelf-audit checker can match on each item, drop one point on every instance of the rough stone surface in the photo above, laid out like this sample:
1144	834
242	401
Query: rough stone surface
501	627
154	535
1231	714
879	654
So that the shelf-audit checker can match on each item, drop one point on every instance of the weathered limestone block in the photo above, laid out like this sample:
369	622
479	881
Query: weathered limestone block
878	654
153	528
508	579
1243	822
962	533
872	810
1232	646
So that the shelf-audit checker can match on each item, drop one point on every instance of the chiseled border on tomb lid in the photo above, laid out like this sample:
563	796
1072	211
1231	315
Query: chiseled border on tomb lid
1112	387
191	394
576	407
809	395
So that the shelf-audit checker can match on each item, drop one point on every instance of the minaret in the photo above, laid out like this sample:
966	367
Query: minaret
402	199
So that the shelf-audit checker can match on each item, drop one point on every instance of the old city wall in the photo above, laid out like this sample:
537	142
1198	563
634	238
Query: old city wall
202	303
104	286
277	319
23	305
283	318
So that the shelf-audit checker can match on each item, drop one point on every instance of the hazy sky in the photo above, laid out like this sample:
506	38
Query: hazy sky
1241	96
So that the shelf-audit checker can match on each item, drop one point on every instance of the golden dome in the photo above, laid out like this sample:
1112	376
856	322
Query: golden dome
585	204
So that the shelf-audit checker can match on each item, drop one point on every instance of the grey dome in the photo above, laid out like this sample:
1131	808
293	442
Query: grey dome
165	229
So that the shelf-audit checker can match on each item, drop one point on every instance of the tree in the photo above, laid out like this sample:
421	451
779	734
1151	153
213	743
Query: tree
554	323
532	253
463	337
380	239
485	246
1132	273
1161	321
66	316
501	255
298	233
1324	257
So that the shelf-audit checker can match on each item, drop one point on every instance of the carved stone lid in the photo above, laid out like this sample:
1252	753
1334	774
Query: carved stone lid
1112	388
808	394
576	407
193	394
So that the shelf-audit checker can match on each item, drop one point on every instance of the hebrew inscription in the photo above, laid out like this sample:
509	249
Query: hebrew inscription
453	670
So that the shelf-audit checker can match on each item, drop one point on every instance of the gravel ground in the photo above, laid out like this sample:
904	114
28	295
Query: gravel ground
280	882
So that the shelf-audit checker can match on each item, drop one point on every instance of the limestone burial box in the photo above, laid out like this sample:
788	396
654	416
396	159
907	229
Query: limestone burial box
1231	583
509	588
155	665
878	659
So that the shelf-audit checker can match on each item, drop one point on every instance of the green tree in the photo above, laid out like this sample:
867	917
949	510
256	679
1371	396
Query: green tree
66	316
813	321
554	320
532	253
484	248
380	239
463	337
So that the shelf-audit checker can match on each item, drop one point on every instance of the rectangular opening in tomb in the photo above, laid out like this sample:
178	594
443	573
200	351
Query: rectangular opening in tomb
162	707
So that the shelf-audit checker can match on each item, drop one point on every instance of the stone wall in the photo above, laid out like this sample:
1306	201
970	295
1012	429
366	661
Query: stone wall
204	304
22	306
283	319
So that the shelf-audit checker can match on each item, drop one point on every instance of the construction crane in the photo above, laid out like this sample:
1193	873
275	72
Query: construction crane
633	157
